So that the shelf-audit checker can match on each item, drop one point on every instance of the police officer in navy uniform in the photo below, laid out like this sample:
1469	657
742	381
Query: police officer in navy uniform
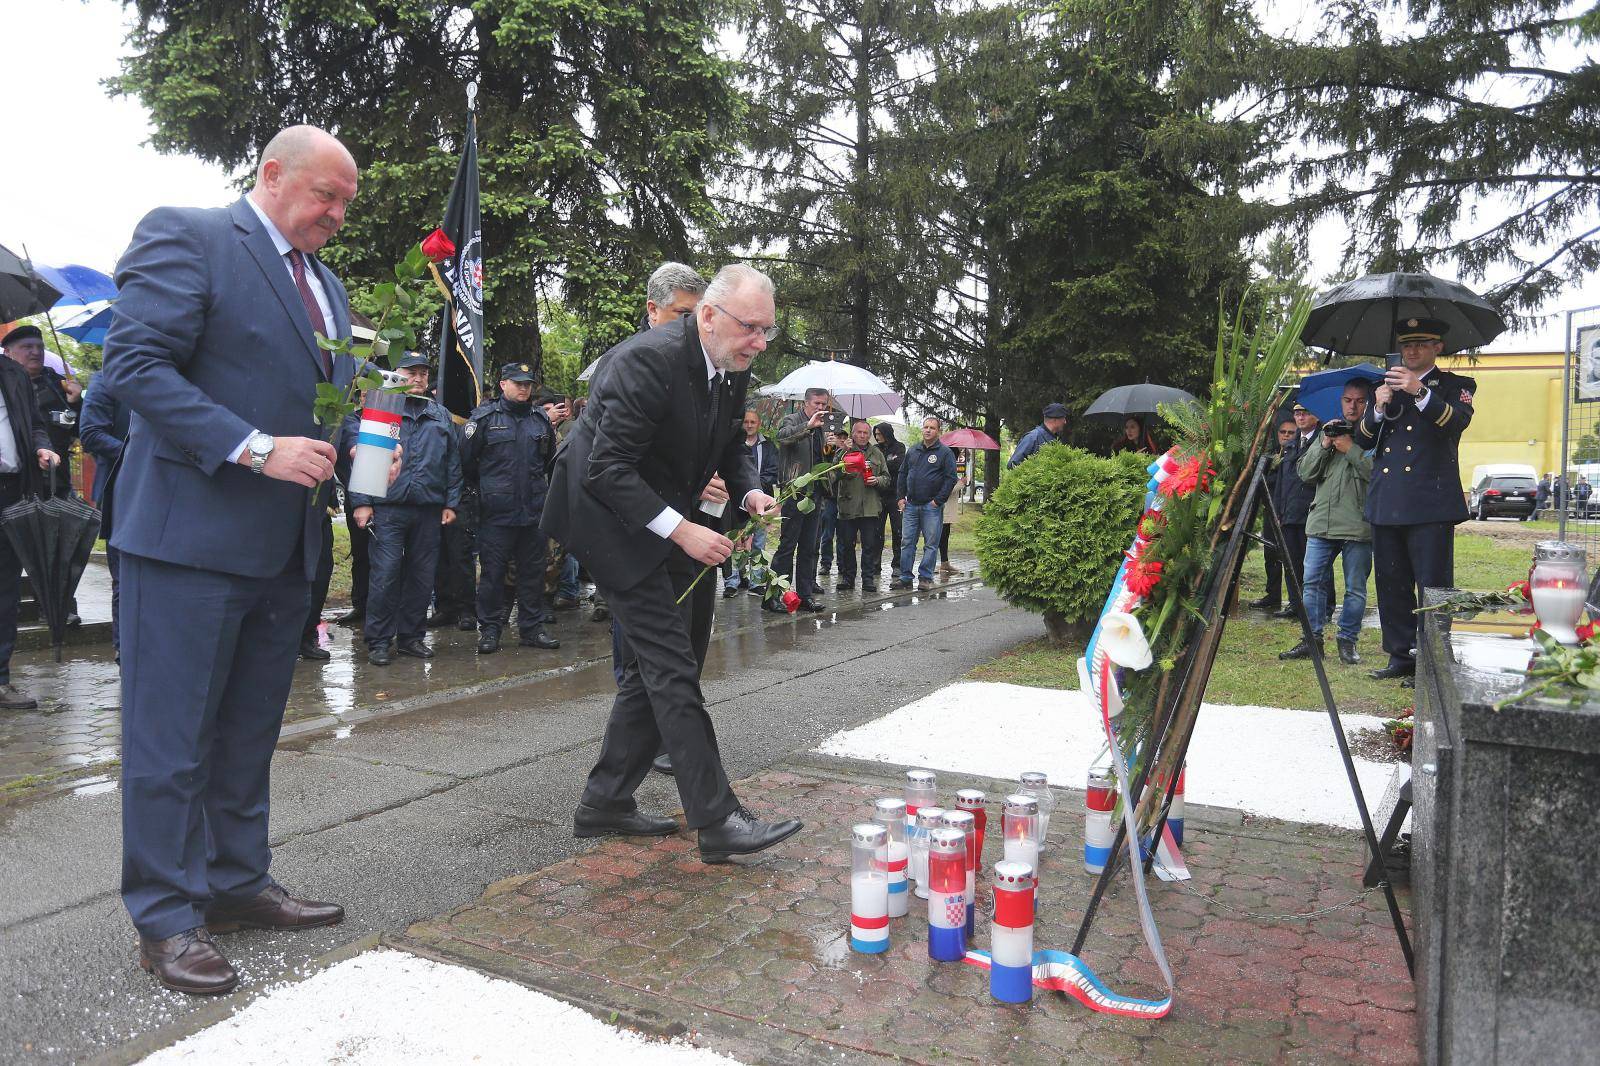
406	523
1414	427
510	448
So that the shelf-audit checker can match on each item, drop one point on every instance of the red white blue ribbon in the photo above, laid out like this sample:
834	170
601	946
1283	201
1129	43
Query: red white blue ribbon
1061	971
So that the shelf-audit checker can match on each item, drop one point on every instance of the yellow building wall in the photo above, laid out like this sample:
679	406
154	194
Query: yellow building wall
1516	410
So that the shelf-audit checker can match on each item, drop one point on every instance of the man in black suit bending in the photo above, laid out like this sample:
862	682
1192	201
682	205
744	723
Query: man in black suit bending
664	415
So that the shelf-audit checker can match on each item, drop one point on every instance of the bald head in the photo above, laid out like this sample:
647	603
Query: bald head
304	182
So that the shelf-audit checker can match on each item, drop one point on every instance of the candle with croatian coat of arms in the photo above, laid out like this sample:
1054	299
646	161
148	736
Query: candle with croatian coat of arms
967	825
869	891
947	895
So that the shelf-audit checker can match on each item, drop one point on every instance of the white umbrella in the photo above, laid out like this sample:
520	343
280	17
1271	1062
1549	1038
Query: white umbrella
860	393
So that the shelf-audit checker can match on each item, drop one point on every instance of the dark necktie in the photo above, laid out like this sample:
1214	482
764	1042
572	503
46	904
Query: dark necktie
297	264
714	395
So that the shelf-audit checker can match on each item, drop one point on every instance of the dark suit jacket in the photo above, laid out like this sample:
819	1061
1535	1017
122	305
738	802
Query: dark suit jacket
102	427
642	444
27	424
1294	495
1416	473
209	341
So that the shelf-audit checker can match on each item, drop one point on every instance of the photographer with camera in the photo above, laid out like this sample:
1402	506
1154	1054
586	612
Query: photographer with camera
60	398
1335	526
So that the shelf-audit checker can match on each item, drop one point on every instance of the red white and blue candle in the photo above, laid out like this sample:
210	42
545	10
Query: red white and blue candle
1098	801
869	890
1037	785
1011	933
894	856
1175	812
922	790
1020	827
928	819
973	799
967	825
947	895
377	437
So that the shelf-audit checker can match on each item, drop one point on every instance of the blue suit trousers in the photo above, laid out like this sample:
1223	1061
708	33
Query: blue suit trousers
207	661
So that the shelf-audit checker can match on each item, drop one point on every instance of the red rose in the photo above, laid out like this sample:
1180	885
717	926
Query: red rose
791	600
436	246
855	463
1586	631
1522	588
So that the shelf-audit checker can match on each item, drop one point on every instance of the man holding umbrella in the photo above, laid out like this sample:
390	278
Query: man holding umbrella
1414	427
22	435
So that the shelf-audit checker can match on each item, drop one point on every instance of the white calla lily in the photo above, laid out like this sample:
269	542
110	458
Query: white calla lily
1122	639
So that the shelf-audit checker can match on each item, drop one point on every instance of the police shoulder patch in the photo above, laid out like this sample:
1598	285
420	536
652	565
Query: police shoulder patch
470	428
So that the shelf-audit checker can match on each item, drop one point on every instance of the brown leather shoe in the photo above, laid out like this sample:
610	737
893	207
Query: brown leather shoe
272	908
188	962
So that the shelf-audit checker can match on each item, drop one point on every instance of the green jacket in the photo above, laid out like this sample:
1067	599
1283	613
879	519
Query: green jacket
857	499
1341	481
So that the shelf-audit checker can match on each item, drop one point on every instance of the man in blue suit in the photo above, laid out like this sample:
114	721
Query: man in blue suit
103	427
220	493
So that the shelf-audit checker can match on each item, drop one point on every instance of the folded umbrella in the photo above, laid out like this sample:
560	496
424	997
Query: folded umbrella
1320	393
53	540
1359	317
1127	401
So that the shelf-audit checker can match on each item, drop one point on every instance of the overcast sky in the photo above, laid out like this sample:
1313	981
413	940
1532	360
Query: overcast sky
77	197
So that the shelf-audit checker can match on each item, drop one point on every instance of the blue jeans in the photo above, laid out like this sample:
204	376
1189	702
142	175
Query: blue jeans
1357	556
926	519
567	583
756	573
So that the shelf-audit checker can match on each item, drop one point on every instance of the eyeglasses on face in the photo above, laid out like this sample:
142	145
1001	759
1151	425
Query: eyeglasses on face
769	332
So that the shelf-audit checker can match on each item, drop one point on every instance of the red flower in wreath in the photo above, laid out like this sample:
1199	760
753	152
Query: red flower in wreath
1188	477
1151	524
1521	587
1143	576
437	246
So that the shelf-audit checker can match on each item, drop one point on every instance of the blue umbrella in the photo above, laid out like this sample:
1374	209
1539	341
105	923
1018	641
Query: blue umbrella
1319	393
90	330
78	284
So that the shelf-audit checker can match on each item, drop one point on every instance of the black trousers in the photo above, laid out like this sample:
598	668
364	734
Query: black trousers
1294	555
405	552
891	514
1272	561
497	547
455	579
1404	560
319	587
796	557
360	571
659	704
10	580
868	532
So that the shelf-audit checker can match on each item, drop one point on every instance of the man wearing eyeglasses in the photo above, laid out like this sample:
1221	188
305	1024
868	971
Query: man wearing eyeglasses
663	414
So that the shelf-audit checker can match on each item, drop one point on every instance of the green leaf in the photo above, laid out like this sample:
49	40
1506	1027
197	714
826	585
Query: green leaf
383	292
403	299
392	334
805	505
332	344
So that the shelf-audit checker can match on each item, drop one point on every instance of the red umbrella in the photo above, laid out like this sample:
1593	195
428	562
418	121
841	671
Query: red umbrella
970	438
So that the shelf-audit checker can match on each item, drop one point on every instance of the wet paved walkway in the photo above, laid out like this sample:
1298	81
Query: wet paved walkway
751	959
78	724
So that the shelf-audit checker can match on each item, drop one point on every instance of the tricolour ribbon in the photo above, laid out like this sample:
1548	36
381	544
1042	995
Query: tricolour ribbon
1061	971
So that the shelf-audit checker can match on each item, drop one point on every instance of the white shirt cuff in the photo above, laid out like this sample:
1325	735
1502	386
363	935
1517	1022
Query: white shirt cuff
664	523
233	456
1423	397
744	504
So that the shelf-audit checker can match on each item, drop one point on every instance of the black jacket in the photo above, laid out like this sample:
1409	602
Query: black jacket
27	424
1416	472
103	427
1294	495
767	468
430	474
508	451
645	442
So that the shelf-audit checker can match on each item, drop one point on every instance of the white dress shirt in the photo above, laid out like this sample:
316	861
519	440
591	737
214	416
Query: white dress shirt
10	461
664	523
281	243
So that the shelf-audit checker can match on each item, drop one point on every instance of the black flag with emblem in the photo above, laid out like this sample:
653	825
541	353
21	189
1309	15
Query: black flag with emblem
460	276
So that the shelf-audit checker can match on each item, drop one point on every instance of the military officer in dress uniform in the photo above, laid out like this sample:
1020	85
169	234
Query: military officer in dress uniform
1414	427
509	450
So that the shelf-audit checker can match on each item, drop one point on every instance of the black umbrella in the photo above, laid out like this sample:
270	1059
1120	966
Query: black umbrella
1128	401
22	292
53	540
1359	317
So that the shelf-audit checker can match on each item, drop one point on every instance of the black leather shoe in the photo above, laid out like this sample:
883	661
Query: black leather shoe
1392	671
74	620
1265	603
812	605
1347	652
310	649
438	620
774	606
415	648
602	613
566	603
351	619
188	962
489	643
869	588
539	639
1301	650
729	593
380	654
662	764
742	833
1286	611
590	822
898	584
844	586
271	908
466	623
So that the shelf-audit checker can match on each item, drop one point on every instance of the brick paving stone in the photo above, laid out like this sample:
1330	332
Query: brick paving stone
754	955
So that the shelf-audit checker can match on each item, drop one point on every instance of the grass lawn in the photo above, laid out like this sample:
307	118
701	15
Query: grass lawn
1247	670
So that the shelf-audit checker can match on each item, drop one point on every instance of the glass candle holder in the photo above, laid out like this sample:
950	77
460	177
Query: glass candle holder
947	895
1098	801
1037	785
967	825
927	820
922	790
973	799
1020	826
869	890
894	856
1011	933
1558	584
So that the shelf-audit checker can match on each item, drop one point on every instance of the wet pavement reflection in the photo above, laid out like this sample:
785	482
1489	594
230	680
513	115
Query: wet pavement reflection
77	725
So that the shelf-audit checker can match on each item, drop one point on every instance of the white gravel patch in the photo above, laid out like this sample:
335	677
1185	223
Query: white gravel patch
388	1008
1260	760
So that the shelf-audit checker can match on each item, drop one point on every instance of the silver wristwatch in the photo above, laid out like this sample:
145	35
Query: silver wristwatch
260	448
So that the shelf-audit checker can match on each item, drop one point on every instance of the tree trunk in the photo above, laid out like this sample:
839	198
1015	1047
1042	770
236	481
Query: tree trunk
1063	633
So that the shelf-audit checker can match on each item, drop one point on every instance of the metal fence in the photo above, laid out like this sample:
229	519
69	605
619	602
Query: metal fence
1577	504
